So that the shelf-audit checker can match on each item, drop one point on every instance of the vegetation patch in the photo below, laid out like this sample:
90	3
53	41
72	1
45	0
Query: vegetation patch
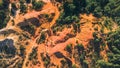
37	5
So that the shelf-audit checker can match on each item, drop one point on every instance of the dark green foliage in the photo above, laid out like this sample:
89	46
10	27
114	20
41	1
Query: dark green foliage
29	28
82	58
14	6
1	5
28	1
3	13
85	64
69	8
7	48
22	51
74	66
97	42
117	19
68	19
23	8
80	47
5	3
37	5
98	12
2	17
99	8
42	38
76	27
103	3
70	13
45	59
109	8
66	63
97	45
104	64
113	41
47	62
69	48
14	9
33	55
80	6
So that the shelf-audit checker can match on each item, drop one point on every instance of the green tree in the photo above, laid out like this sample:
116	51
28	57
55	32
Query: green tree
38	5
102	3
2	18
104	64
14	6
23	8
68	8
69	48
22	51
98	12
28	1
91	7
80	6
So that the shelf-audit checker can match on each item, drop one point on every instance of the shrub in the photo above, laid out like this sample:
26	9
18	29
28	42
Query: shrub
38	5
33	55
14	6
80	47
74	66
69	48
28	1
85	64
22	50
23	8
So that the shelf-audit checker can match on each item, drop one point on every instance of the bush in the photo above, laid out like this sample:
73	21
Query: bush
113	39
38	5
69	8
104	64
85	64
22	51
74	66
42	38
68	19
33	55
80	47
23	8
14	6
28	1
69	48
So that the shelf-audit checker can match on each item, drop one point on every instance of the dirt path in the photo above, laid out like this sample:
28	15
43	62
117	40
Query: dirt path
55	10
57	14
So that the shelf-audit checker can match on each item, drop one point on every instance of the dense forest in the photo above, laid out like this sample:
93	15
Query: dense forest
99	8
